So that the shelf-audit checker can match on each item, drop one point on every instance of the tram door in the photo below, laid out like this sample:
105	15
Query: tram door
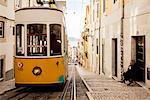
114	57
140	56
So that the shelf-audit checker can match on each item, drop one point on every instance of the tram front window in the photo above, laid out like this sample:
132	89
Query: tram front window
36	40
20	40
55	39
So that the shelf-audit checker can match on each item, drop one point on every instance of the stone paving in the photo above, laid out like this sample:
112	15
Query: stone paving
7	85
102	88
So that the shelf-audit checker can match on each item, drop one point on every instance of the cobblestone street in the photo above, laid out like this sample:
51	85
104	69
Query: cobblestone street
102	88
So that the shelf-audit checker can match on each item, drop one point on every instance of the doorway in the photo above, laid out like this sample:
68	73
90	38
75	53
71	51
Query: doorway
114	57
1	68
140	56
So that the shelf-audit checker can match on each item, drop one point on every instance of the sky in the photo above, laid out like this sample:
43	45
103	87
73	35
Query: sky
75	15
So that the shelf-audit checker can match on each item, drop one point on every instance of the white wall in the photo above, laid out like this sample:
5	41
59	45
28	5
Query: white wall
136	23
7	43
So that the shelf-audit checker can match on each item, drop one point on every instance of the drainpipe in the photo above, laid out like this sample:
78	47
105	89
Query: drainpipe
99	36
121	42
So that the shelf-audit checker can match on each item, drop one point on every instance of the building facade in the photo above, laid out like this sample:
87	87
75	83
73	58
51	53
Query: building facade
95	35
137	36
118	34
7	39
80	52
111	38
84	44
125	37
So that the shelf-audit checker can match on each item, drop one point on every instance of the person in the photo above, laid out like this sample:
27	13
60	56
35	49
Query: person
130	74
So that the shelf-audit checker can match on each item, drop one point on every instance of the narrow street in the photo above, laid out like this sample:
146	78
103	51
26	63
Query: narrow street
49	93
88	86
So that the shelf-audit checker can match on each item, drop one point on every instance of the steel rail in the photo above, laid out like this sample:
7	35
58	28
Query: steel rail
74	86
63	95
19	93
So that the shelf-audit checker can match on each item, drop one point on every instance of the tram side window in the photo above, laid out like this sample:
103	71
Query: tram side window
20	40
55	39
64	39
36	40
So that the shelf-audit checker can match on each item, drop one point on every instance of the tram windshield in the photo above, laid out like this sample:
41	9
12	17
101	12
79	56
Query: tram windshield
55	39
36	40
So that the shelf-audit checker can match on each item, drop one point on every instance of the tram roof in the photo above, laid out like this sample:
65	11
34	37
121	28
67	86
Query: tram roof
47	8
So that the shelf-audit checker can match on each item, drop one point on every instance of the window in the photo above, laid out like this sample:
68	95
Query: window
97	46
1	29
64	39
29	3
86	54
55	39
104	5
93	14
98	10
82	43
36	40
20	40
19	3
13	30
1	67
115	1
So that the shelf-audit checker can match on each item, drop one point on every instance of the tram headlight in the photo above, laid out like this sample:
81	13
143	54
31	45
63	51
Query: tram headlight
37	71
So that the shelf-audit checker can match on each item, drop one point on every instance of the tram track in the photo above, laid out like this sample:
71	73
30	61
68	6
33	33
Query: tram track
70	88
32	93
18	93
74	89
73	86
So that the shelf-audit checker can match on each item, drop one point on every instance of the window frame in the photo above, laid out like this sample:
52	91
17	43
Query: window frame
37	54
114	1
64	37
20	41
97	48
18	3
3	27
61	35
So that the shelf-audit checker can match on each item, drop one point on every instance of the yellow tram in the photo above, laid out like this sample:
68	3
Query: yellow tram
41	47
